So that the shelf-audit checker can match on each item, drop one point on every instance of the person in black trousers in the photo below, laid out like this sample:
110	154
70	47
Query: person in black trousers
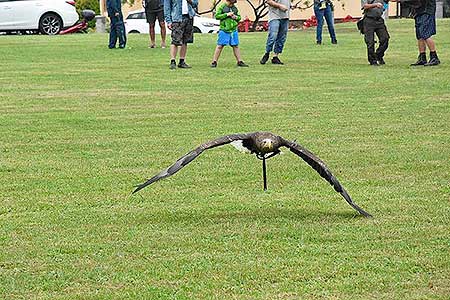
374	24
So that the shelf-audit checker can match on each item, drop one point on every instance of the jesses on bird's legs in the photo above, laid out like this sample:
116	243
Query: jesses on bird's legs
263	157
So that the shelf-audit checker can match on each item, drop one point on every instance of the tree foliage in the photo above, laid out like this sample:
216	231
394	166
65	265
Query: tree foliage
88	4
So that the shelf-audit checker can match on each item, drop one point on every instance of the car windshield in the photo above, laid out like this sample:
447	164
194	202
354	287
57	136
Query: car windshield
136	16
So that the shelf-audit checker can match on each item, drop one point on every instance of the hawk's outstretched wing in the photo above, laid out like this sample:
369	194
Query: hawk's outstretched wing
318	165
183	161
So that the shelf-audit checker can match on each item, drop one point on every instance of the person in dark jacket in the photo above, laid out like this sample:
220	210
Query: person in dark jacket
117	30
374	24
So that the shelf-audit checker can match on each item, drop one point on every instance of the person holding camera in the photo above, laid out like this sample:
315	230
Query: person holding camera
278	28
229	17
324	8
373	23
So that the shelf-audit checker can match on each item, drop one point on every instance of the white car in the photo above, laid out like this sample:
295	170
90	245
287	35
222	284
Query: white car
47	16
137	23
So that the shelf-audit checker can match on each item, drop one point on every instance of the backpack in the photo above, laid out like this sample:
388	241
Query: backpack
360	25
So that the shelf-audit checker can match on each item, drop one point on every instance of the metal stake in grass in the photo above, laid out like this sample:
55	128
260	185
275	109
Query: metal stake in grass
264	158
264	173
264	145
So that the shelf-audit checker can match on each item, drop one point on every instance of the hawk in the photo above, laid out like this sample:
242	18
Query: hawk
264	145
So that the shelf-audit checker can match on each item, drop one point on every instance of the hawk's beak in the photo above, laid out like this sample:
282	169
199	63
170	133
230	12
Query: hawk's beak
268	145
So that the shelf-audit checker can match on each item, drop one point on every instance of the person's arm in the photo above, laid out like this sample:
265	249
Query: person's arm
237	15
277	5
111	7
373	5
193	3
167	13
220	15
365	5
117	7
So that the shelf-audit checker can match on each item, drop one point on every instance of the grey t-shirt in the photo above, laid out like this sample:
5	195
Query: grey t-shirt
276	13
373	12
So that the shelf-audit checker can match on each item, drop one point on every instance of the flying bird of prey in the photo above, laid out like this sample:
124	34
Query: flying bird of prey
264	145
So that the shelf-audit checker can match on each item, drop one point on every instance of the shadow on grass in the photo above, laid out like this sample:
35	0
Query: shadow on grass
263	215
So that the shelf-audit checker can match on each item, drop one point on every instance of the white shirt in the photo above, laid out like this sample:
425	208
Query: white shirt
184	7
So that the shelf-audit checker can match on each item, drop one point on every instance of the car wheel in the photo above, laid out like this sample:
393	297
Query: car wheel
50	24
197	30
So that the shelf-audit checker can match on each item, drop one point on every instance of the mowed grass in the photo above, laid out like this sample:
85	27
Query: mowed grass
80	125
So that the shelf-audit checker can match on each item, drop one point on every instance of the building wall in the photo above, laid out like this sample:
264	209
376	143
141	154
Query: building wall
342	9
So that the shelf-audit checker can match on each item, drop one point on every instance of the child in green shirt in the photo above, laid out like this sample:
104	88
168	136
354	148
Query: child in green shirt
229	17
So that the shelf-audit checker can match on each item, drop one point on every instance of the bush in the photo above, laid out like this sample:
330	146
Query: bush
88	4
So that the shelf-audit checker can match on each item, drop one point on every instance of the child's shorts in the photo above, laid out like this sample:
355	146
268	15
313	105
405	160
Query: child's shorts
228	38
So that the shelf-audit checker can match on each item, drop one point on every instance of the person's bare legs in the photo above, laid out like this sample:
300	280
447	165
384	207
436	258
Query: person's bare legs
183	51
152	34
217	52
237	53
162	24
431	45
422	46
434	59
173	51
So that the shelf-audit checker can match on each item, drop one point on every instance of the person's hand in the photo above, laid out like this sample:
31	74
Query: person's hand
283	7
116	14
169	25
378	5
230	14
233	17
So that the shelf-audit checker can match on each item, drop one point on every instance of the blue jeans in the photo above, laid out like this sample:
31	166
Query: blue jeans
328	14
117	31
277	35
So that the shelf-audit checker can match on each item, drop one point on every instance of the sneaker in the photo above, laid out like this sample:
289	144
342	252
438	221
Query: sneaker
277	61
242	64
433	62
374	63
173	65
163	45
319	42
419	62
381	61
152	46
214	64
334	42
264	59
184	65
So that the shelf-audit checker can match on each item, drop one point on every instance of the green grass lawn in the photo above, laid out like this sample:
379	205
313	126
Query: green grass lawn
80	125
